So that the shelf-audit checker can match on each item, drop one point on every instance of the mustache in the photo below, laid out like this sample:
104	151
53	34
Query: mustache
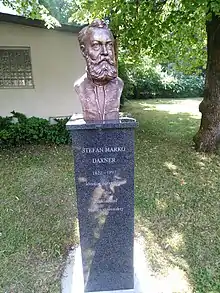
100	60
109	60
102	71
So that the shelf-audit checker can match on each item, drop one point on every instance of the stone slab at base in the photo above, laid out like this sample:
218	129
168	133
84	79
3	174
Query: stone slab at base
118	291
72	281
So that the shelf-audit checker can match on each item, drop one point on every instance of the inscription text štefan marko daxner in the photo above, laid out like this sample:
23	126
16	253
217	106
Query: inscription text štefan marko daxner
104	194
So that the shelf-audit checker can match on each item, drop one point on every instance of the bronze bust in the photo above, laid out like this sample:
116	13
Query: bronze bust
100	88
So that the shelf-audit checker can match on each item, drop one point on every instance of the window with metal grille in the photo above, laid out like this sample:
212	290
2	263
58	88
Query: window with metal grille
15	68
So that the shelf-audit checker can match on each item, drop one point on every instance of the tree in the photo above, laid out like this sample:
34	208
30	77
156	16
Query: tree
32	9
53	12
61	10
182	31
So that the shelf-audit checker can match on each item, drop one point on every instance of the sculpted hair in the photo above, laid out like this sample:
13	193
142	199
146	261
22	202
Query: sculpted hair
97	23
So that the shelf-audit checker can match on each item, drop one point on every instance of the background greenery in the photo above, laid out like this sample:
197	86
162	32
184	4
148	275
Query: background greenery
144	79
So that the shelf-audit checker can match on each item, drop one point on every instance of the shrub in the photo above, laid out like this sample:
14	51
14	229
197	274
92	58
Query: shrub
18	130
145	79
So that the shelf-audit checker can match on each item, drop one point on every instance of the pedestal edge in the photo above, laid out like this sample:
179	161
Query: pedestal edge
115	291
78	123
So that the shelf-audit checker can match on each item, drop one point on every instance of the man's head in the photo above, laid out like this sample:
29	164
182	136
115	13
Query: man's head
97	46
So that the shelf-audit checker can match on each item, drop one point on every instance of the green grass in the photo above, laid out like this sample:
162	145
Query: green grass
177	206
38	217
177	197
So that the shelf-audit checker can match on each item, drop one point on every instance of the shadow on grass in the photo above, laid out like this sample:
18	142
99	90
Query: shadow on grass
177	201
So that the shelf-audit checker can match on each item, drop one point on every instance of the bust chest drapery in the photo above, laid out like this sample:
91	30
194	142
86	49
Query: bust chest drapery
99	102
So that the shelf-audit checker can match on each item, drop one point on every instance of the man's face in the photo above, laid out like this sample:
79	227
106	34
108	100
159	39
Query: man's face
100	44
99	54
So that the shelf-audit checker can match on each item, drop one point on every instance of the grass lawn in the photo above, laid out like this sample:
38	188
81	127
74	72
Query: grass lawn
38	217
176	195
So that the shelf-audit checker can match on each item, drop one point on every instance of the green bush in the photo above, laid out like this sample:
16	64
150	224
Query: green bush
147	80
168	86
18	130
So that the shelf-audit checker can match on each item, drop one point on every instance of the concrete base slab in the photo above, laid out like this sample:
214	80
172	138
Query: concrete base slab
117	291
72	281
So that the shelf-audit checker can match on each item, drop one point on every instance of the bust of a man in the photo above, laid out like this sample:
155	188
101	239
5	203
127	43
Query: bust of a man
99	89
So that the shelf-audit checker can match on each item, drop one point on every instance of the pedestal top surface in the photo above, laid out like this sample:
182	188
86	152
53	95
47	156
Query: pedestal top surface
77	122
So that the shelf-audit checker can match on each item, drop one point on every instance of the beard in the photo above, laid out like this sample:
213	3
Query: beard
101	69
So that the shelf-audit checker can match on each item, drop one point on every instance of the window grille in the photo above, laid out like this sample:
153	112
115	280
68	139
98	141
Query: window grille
15	68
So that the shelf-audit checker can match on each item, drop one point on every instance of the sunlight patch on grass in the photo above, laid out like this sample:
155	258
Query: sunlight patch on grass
190	106
170	166
161	204
175	241
168	275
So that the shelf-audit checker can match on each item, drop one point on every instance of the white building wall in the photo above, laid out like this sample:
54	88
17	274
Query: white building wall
56	64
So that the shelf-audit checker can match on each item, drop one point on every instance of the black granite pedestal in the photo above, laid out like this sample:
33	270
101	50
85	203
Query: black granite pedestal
104	178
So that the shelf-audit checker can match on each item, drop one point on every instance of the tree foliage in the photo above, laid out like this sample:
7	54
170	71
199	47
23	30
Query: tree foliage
168	30
53	12
61	10
33	9
147	80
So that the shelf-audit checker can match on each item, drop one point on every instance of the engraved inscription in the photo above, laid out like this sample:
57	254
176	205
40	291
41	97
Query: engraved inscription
108	209
114	149
92	150
106	172
103	160
104	197
103	150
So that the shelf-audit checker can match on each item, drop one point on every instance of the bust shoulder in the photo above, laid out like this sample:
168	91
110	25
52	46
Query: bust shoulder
120	82
120	85
79	85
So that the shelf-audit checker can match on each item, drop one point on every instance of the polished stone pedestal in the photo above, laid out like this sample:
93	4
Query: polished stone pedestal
104	179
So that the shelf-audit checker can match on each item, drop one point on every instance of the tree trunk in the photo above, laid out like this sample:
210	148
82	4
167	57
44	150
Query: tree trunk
208	137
